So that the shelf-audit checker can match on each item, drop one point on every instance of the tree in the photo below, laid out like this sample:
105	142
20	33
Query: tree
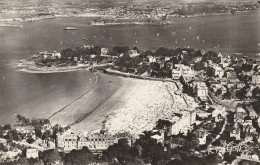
136	151
1	132
23	120
46	134
192	160
256	92
227	95
194	143
135	161
9	136
83	156
30	140
119	150
51	156
120	50
161	124
152	152
7	127
218	92
199	66
33	161
229	157
241	94
38	131
15	135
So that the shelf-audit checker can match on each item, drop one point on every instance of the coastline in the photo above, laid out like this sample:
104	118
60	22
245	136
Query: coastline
127	110
8	22
50	71
119	100
103	87
30	67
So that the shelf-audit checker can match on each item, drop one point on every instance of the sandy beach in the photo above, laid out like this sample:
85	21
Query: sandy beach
103	86
127	104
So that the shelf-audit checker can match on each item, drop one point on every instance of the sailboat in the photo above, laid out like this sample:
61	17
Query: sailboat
158	34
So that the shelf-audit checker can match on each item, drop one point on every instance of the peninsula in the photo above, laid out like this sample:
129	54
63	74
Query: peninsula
179	101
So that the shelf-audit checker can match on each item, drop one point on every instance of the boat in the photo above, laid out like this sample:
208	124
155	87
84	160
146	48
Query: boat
257	54
238	54
70	28
97	23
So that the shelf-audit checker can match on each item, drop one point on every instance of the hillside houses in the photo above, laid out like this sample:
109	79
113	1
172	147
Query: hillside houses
28	131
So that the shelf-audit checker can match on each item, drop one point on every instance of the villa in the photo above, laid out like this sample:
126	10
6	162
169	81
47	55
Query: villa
32	153
133	53
256	79
218	71
184	123
181	69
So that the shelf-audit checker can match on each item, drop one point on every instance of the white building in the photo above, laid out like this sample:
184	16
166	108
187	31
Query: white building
96	142
202	136
236	132
184	123
32	153
218	71
181	69
47	54
256	79
68	141
133	53
104	51
151	59
202	90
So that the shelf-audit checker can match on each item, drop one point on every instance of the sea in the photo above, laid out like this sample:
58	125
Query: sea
40	95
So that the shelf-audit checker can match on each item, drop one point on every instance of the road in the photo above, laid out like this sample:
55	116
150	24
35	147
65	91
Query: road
229	107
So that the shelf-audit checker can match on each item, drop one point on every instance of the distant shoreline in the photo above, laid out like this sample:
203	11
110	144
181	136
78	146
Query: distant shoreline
9	22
